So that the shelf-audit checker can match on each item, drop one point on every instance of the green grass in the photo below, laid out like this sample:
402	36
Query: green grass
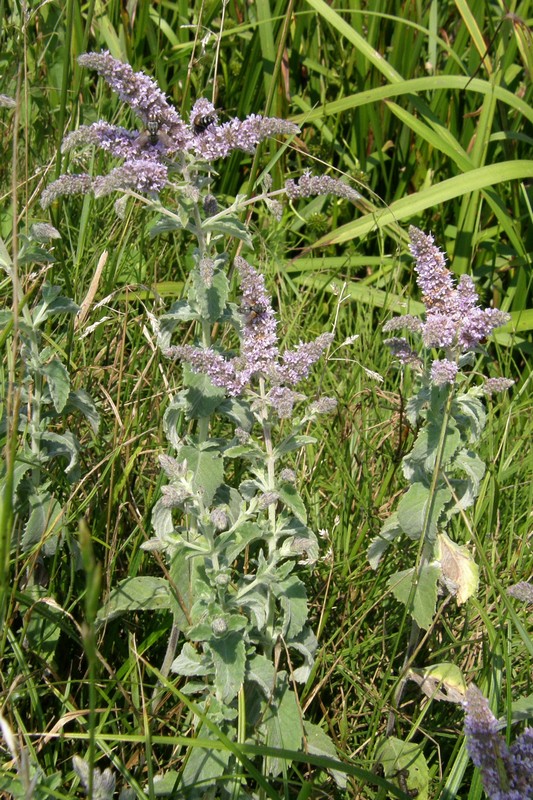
426	109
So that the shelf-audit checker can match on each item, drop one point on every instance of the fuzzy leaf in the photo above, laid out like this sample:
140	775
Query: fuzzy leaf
390	531
82	401
62	445
318	743
201	398
229	659
142	593
282	724
413	507
228	226
293	601
207	468
203	767
289	495
231	544
190	662
424	600
460	572
470	414
45	524
260	670
404	765
58	383
211	300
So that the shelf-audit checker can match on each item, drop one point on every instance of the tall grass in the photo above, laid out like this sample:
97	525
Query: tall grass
426	110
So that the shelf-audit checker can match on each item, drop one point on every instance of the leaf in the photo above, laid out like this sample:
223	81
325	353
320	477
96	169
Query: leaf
459	571
190	662
58	383
282	725
415	505
42	622
211	300
289	495
45	524
404	765
291	443
470	414
318	743
306	644
65	445
207	468
203	767
260	670
229	659
440	682
424	600
229	226
201	398
292	598
142	593
390	531
231	544
82	401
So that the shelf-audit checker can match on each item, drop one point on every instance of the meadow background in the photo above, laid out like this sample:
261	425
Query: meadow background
425	108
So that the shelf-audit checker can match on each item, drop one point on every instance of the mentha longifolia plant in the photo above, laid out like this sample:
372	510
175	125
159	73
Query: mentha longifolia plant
230	521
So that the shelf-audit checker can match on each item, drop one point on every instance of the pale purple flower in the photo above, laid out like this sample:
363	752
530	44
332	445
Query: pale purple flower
434	279
493	385
259	356
406	321
138	175
310	185
522	591
66	185
443	371
114	139
218	141
402	350
140	92
324	405
298	362
282	399
507	773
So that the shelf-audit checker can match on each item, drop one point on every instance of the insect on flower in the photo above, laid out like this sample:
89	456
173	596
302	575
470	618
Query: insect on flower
253	311
153	136
201	122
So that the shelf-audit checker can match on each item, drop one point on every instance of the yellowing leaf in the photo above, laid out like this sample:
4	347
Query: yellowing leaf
460	572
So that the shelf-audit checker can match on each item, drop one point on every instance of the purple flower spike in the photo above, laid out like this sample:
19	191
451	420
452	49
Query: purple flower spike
311	185
66	185
507	773
217	141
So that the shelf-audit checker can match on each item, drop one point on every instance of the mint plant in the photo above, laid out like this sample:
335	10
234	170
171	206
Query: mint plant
443	468
230	522
42	454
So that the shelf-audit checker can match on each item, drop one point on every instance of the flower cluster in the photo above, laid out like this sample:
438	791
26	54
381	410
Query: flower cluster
259	349
507	772
148	154
454	321
311	185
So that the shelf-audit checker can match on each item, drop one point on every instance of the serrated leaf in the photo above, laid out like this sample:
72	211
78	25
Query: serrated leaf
58	382
470	414
203	766
201	398
229	659
229	226
207	468
260	670
404	765
282	726
390	531
211	300
306	644
141	593
413	507
289	495
318	743
230	545
190	662
45	524
82	401
62	445
424	600
459	570
292	598
292	443
238	411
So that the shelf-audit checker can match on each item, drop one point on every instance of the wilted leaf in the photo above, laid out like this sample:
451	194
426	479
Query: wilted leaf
440	682
460	572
